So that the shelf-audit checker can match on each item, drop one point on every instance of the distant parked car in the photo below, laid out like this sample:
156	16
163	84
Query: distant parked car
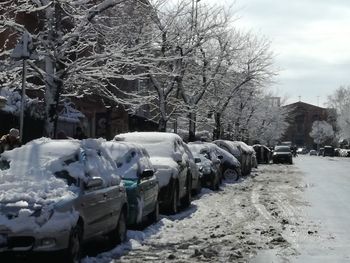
321	151
57	194
229	166
241	150
168	157
302	150
313	152
137	172
328	151
208	165
282	154
263	153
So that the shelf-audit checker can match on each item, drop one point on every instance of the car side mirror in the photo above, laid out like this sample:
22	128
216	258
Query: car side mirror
94	182
147	173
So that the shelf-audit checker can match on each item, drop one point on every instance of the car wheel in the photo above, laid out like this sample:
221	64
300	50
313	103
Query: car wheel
186	202
74	247
231	174
154	216
173	206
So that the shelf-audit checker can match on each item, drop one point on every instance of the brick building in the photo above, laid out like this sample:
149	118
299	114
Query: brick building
301	117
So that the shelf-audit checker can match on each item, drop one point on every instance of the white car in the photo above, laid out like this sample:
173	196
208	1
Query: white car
168	157
56	194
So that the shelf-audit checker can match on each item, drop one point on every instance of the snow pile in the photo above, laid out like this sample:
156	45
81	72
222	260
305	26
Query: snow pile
30	176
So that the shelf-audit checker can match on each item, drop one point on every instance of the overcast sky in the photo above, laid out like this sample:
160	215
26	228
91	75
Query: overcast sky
310	39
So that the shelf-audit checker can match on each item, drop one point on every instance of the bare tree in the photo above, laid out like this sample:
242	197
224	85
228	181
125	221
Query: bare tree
340	101
84	47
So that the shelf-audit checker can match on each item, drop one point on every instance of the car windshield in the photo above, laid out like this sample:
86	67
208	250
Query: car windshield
282	149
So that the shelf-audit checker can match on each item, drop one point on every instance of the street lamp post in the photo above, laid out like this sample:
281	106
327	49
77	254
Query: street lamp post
23	51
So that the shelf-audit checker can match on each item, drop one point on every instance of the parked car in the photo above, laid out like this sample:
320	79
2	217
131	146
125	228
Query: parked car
282	154
208	164
136	170
244	155
313	152
57	194
301	150
321	151
171	163
229	166
263	153
196	175
328	151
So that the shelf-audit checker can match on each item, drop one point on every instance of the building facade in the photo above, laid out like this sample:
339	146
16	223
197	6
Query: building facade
301	117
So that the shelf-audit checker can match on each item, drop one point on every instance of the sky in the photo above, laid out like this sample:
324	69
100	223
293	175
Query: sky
310	40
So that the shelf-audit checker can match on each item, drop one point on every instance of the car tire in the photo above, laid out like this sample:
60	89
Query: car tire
173	205
186	201
73	253
154	216
231	174
118	235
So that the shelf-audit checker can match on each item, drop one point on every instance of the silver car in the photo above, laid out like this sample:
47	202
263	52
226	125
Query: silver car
56	194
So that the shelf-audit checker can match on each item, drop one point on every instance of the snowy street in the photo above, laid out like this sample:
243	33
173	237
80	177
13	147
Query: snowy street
296	213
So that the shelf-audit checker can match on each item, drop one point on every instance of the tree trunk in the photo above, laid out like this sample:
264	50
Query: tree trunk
217	130
162	125
192	127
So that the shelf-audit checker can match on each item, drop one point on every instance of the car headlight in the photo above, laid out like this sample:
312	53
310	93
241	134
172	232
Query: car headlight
43	215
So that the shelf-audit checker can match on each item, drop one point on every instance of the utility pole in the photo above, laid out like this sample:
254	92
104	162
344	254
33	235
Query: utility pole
23	51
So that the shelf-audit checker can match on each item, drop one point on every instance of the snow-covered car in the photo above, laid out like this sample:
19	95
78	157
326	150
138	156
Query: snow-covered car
282	154
229	166
171	164
301	150
208	170
313	152
241	151
56	194
136	170
196	179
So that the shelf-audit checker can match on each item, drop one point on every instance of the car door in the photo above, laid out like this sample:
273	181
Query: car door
97	202
148	185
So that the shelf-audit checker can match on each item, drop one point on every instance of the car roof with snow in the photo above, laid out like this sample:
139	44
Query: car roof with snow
129	158
234	148
160	144
197	147
33	168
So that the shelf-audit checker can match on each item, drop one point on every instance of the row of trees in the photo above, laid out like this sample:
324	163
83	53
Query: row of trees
340	101
191	63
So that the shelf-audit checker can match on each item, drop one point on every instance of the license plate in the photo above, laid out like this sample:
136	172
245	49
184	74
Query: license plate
3	240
